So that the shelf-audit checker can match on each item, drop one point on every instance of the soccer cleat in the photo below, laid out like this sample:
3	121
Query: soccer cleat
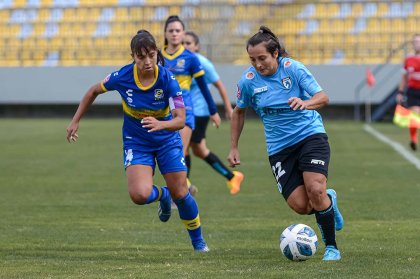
164	209
339	220
331	254
201	246
235	183
191	188
413	145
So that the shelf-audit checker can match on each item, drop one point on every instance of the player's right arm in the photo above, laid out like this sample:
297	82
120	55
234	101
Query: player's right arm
84	105
236	126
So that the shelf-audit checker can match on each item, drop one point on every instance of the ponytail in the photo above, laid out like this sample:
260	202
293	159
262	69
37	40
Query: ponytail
265	35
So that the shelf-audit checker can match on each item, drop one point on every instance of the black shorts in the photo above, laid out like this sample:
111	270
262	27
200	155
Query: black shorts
199	131
413	97
311	154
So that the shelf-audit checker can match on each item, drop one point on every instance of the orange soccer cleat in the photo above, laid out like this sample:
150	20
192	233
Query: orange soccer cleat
235	183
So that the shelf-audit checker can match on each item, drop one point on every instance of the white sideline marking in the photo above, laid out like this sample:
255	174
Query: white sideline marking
397	147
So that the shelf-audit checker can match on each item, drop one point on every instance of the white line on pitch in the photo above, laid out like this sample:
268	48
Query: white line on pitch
397	147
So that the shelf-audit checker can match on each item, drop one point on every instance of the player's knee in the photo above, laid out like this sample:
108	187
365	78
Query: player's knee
139	198
301	208
199	152
315	190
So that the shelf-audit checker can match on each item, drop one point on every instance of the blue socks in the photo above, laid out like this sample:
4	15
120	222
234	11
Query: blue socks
156	194
188	212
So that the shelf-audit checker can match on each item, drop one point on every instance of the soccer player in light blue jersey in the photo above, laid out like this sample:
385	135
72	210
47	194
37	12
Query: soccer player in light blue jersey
154	112
285	96
185	66
202	117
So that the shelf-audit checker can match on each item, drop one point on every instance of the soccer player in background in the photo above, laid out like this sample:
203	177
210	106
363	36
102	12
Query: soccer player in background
285	96
154	112
410	86
185	66
202	117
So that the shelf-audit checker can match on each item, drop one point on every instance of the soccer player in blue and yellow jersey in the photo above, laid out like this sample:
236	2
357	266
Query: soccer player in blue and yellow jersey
154	112
285	95
185	66
202	117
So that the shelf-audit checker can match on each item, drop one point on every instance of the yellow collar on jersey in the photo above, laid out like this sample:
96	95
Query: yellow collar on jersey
136	78
173	56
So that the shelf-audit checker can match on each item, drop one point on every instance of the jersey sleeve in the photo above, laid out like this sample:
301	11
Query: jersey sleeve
173	86
110	82
305	79
243	99
196	67
175	93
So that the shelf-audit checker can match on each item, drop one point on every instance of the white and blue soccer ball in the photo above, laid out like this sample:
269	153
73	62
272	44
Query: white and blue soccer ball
298	242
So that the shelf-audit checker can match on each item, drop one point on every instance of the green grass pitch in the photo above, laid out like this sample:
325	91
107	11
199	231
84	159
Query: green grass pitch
65	211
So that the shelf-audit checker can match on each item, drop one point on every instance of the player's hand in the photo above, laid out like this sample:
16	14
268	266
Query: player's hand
228	112
233	158
215	118
152	124
72	132
297	103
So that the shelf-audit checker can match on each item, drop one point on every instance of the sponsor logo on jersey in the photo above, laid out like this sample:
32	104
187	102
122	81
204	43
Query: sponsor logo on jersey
317	162
180	63
158	94
179	93
287	82
260	89
238	92
249	75
129	92
172	77
287	63
107	78
129	100
115	74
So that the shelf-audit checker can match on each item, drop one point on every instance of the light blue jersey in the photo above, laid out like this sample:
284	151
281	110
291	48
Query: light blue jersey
200	106
268	96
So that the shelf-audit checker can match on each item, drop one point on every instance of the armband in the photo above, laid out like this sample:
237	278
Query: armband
176	102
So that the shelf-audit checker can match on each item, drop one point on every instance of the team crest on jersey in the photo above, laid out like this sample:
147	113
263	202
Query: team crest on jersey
287	63
249	75
287	82
158	94
180	63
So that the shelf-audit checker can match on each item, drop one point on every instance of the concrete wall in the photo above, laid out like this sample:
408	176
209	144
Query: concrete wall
67	85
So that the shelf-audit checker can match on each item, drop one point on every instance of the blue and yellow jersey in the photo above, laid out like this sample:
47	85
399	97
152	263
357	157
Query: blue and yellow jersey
185	66
140	101
269	95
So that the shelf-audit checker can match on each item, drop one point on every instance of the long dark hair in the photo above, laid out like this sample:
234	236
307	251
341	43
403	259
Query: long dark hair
272	43
144	41
170	19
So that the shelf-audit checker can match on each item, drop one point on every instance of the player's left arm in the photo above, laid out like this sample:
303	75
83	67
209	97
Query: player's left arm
214	115
223	94
177	107
309	84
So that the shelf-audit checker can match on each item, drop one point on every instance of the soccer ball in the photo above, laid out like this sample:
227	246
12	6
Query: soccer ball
298	242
